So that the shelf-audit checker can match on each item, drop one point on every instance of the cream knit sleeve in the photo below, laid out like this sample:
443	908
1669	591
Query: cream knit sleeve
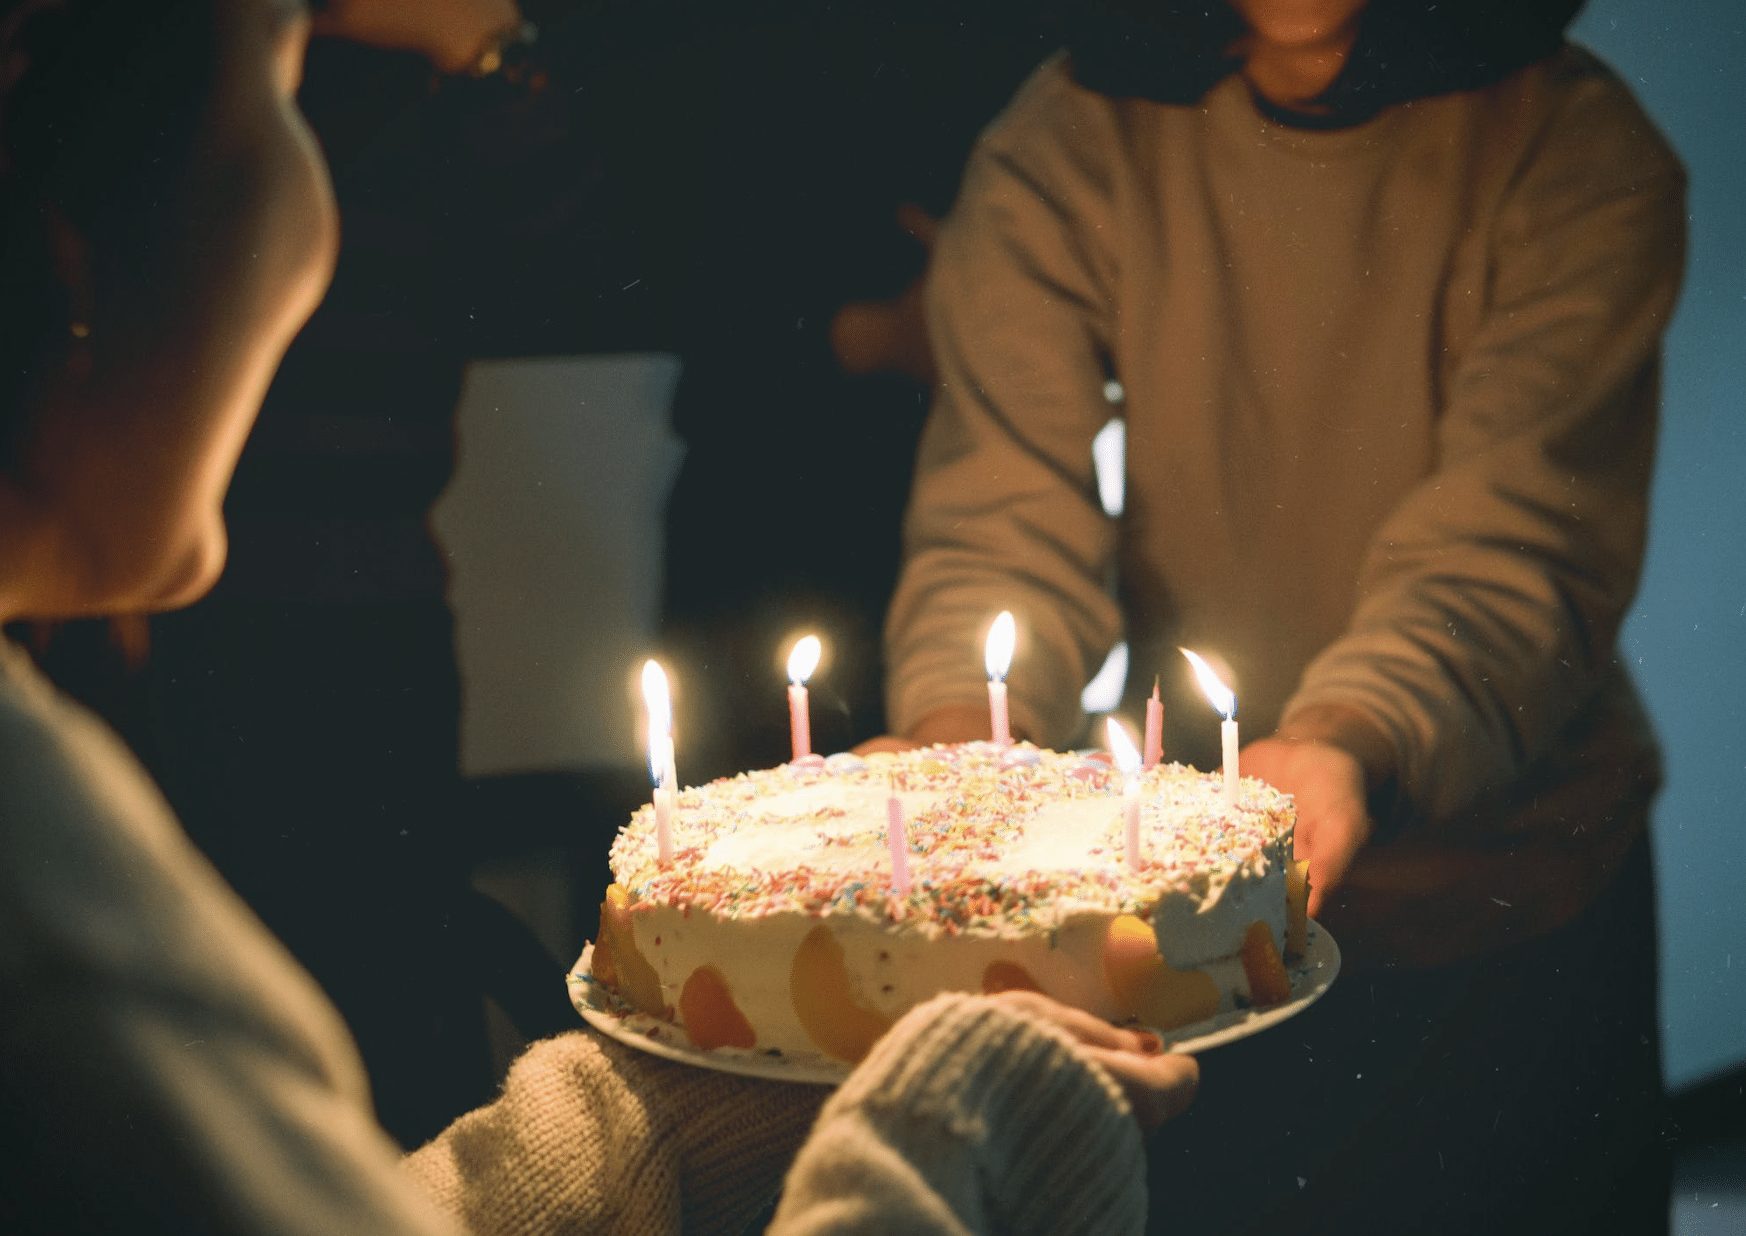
1489	602
589	1136
966	1118
1004	512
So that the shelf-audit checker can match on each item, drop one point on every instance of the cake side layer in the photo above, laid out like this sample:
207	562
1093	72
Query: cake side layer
778	911
996	837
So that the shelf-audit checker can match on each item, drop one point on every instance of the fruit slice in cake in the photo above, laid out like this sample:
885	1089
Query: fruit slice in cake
1268	982
623	968
709	1014
1144	984
824	1002
1297	891
1007	976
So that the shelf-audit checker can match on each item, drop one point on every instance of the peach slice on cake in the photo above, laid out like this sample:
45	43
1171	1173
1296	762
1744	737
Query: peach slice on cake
1144	984
631	974
1007	976
1297	891
1269	984
710	1016
819	985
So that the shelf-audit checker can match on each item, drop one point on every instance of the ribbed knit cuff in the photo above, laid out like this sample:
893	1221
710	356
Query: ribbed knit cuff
1051	1134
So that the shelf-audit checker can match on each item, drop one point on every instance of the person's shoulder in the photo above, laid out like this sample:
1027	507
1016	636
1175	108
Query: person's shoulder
46	747
1058	133
77	814
1580	109
1052	105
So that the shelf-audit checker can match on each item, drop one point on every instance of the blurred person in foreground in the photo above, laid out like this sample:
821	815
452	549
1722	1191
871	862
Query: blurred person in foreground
1384	287
164	1066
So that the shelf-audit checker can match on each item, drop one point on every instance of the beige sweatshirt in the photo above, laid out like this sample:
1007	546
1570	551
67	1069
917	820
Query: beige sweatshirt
1390	398
166	1067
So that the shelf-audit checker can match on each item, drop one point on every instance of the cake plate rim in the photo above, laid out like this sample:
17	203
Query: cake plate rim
1311	975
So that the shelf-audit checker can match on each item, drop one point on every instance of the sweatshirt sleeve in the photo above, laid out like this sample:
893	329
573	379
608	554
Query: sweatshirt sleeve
1004	512
590	1136
1490	600
969	1118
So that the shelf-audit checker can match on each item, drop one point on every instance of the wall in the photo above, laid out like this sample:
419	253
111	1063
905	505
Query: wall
1686	641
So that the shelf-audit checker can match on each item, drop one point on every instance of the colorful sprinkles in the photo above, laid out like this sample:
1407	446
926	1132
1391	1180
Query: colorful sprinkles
982	799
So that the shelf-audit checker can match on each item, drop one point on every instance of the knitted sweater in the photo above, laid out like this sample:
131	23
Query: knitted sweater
166	1067
1390	401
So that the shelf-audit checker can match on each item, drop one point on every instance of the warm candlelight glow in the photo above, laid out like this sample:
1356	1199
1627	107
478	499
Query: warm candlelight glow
997	656
803	660
659	705
1225	701
1216	691
1127	759
997	649
1127	756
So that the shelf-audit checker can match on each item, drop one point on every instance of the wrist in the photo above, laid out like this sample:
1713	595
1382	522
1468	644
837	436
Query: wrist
1363	738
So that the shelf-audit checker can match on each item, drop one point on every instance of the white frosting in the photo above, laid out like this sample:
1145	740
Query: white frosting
1013	861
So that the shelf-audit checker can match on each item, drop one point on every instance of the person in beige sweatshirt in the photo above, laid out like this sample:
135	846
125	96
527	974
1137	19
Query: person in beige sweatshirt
1388	366
165	1066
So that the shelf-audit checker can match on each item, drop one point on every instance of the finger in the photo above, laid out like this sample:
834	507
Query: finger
1157	1087
885	742
919	224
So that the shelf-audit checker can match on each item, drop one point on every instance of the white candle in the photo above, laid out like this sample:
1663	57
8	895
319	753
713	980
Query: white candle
1127	759
1154	730
897	837
997	659
802	661
658	703
1228	732
1225	701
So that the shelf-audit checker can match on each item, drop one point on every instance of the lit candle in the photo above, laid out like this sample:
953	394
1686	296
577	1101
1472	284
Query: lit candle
897	837
1226	702
660	709
802	661
997	658
1127	759
1154	729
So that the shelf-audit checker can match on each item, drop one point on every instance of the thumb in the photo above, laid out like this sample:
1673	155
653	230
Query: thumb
918	223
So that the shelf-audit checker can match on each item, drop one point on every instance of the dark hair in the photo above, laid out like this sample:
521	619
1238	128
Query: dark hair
1175	51
97	100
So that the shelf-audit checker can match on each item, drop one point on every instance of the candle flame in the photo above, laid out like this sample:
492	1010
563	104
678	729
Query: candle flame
1216	691
660	709
1127	756
803	660
997	651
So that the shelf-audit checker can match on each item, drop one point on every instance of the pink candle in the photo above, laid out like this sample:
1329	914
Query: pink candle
1127	759
802	661
997	659
1154	729
897	837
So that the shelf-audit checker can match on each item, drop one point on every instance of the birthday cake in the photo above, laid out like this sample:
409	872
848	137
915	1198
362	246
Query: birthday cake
801	914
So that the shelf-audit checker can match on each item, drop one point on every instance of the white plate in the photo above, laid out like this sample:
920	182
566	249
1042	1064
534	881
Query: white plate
1311	975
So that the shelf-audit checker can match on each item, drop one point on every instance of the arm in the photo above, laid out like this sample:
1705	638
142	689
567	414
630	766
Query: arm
1490	600
591	1136
971	1116
968	1110
1004	514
